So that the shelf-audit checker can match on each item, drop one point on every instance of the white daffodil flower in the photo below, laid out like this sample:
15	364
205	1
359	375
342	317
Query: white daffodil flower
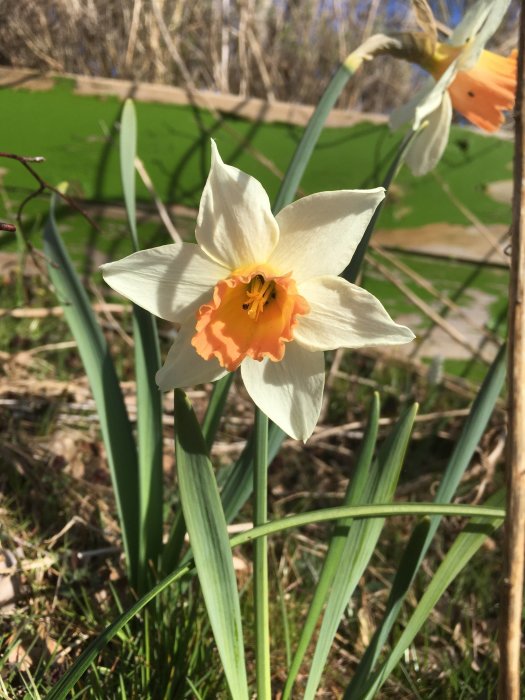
479	84
261	293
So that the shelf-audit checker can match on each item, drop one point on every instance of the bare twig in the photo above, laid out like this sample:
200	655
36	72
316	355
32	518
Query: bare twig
512	589
43	185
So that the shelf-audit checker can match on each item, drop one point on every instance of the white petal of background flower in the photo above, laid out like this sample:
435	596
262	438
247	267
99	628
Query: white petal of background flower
424	102
235	225
319	233
483	31
184	367
290	392
343	315
471	22
170	281
425	152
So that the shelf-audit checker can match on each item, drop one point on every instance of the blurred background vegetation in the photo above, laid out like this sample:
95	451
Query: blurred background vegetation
273	49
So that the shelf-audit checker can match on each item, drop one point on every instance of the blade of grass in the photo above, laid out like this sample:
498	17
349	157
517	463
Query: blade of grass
114	422
147	363
473	429
337	542
463	549
210	545
360	542
88	656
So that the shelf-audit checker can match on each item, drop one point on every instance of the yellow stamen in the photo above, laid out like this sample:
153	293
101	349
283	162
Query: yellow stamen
258	293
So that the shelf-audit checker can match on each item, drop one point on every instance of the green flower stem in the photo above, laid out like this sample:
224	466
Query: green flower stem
260	556
310	137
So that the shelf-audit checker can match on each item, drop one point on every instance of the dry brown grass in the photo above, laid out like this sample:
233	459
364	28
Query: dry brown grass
283	50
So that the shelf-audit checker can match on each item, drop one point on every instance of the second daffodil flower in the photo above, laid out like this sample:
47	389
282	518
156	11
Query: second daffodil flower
479	84
261	293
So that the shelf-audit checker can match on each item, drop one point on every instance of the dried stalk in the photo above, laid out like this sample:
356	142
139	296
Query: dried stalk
514	546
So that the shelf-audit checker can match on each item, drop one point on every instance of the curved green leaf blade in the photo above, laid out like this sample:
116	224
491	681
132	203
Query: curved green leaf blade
147	363
215	408
89	655
206	525
114	422
461	552
361	541
419	543
337	543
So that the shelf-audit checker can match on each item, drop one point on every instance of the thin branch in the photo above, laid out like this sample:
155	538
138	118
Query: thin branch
43	185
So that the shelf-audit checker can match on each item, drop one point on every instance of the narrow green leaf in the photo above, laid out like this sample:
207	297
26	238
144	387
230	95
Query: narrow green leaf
239	484
422	536
360	542
337	543
89	655
114	422
147	363
128	152
461	552
355	264
215	408
206	525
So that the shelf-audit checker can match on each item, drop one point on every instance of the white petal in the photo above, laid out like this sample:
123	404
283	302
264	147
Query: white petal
235	225
471	22
429	144
319	233
424	102
343	315
290	392
171	281
483	31
184	367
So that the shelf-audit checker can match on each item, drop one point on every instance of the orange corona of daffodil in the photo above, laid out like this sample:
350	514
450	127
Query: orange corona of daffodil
481	93
479	84
261	293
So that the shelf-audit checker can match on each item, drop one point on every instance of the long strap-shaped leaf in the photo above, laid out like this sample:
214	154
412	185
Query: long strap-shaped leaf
206	525
361	541
334	555
88	656
147	362
114	421
463	549
419	543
